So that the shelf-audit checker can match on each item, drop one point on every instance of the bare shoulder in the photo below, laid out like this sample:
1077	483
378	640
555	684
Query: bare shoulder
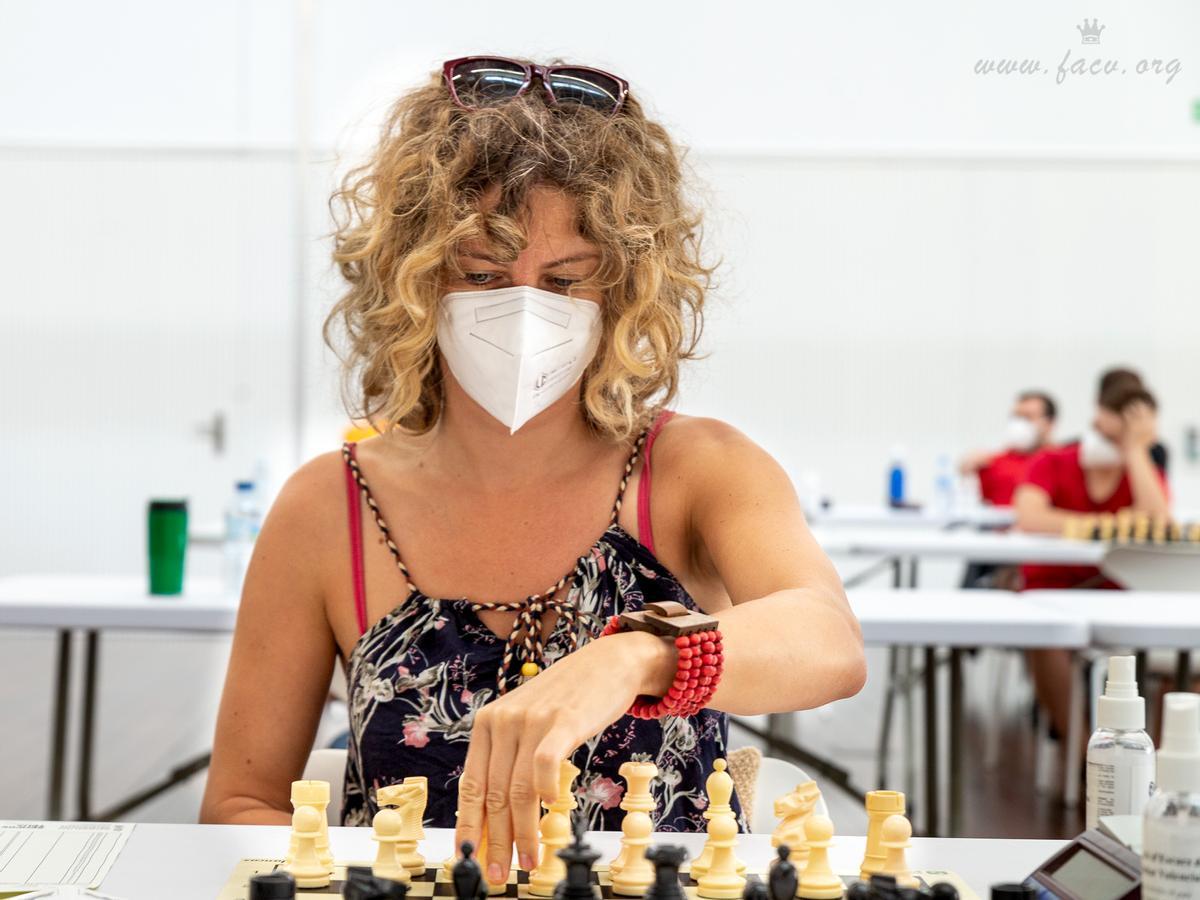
708	451
309	499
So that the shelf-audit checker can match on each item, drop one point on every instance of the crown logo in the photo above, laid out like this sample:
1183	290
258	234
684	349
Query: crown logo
1090	31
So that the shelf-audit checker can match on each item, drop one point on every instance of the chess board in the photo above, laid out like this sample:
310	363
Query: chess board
436	882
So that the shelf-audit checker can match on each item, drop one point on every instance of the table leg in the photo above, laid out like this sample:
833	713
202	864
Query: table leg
956	736
931	743
1074	736
58	733
885	727
87	725
1183	670
910	732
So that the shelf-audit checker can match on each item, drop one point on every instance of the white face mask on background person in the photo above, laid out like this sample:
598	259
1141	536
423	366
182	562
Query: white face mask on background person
1096	451
1020	434
517	350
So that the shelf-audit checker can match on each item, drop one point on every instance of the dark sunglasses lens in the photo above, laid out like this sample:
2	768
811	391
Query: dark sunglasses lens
587	87
479	82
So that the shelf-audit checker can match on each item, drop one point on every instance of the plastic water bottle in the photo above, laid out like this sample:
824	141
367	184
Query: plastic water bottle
943	485
243	519
1120	755
1171	821
896	477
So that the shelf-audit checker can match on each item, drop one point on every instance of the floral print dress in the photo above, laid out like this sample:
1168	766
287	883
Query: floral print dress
418	675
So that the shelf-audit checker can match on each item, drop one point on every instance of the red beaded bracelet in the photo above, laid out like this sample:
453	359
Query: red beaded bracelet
701	659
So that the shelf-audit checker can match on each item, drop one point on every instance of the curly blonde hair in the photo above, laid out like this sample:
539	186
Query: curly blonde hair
401	216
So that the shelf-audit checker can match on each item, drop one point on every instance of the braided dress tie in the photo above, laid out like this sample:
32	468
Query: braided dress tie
525	639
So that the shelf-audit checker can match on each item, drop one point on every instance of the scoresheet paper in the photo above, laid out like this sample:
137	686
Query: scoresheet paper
53	854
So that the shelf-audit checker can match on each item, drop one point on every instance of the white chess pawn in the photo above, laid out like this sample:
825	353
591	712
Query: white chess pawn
817	881
721	880
895	836
555	835
387	824
307	868
719	788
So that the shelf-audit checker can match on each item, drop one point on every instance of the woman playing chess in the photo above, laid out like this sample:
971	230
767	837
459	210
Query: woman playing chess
501	571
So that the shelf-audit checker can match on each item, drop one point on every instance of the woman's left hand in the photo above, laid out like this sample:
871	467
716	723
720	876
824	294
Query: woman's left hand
519	740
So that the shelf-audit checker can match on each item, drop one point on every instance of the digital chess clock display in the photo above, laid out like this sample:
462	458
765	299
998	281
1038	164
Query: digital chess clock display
1092	867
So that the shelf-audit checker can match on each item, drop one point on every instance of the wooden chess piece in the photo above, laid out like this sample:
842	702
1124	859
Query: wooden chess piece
409	797
818	882
895	839
792	809
387	825
555	835
721	880
667	858
579	858
306	867
634	874
314	794
467	877
719	787
782	880
880	805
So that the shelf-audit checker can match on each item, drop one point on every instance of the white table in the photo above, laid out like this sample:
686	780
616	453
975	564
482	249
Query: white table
1137	620
92	604
998	548
925	517
193	862
958	619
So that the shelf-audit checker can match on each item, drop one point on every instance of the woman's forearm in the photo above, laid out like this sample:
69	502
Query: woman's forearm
1148	493
794	649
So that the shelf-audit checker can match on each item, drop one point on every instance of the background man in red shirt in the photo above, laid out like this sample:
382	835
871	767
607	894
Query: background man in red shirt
1117	465
1030	426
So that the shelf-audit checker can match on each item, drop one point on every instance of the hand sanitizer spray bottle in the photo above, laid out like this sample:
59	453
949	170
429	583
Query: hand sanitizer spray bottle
1171	822
1120	755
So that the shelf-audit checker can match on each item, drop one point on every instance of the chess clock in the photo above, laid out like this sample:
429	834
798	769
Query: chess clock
1091	867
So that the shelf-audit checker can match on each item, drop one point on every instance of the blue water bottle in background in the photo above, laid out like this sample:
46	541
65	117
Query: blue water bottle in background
896	477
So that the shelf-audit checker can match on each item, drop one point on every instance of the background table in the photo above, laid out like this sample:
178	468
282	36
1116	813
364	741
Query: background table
958	619
193	862
93	604
925	517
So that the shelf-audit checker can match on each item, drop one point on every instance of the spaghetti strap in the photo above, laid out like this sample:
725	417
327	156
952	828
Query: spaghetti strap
645	531
354	510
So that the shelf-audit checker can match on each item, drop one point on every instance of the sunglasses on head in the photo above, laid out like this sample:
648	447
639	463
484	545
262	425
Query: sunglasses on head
477	81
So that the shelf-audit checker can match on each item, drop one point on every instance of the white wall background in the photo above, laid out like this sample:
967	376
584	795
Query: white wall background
905	244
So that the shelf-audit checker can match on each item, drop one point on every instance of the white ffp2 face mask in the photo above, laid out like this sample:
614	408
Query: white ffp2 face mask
1020	434
1098	452
517	350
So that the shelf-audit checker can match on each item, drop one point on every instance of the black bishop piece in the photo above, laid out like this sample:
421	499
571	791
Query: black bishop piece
579	858
667	859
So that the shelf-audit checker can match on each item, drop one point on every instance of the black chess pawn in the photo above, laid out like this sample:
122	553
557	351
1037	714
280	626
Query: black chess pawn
908	893
277	885
579	858
883	887
754	890
944	890
782	878
467	876
667	858
860	890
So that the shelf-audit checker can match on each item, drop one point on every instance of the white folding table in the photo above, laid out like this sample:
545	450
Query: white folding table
93	604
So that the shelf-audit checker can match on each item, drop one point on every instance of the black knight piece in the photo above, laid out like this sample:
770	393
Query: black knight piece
860	890
754	890
363	884
782	879
579	858
667	858
468	877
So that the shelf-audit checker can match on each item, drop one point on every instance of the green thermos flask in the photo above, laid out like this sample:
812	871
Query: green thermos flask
167	535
